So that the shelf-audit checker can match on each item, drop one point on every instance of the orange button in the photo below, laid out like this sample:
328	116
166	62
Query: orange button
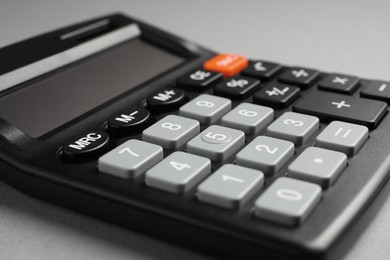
227	64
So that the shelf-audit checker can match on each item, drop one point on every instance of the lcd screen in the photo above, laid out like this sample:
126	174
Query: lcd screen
49	103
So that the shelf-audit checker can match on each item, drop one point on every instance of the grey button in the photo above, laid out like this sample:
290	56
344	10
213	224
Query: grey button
171	132
248	118
178	173
217	143
266	154
318	165
343	137
294	127
206	108
288	201
130	159
231	186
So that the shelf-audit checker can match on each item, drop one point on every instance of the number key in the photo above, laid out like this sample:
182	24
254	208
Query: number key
231	186
171	132
130	159
178	173
248	118
217	143
294	127
206	108
266	154
288	201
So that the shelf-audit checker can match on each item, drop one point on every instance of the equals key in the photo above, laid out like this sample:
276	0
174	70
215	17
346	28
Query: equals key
376	89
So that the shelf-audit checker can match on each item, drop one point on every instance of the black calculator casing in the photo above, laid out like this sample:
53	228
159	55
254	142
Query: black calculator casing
32	165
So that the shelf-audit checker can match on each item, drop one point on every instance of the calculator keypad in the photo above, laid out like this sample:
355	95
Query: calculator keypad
377	89
171	132
237	87
248	118
206	108
130	159
288	201
211	136
294	127
299	77
343	137
199	80
178	173
266	154
217	143
330	106
128	121
165	100
339	83
276	95
261	69
231	186
318	165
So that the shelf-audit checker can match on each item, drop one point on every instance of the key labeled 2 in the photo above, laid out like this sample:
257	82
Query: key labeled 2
266	154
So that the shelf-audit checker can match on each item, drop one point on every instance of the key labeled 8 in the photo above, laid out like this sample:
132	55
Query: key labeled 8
171	126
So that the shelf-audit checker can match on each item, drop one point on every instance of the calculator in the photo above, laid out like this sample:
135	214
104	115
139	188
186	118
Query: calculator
233	156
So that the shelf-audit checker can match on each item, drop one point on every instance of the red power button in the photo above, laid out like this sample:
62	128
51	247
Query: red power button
227	64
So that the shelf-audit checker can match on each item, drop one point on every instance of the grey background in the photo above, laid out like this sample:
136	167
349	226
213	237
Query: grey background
346	36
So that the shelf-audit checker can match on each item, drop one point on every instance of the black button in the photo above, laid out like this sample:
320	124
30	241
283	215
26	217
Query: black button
199	80
236	87
377	90
299	76
339	83
276	95
165	100
85	146
261	70
129	121
330	106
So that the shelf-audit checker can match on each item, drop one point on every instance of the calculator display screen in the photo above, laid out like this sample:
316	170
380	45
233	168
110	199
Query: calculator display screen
55	100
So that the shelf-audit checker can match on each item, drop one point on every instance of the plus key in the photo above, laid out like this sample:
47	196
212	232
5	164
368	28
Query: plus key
329	107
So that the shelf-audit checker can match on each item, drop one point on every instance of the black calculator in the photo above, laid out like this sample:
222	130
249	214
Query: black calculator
235	157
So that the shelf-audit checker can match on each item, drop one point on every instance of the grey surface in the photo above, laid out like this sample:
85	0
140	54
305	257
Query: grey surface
178	173
130	159
318	165
249	118
287	201
294	127
231	186
266	154
348	36
343	137
206	108
171	132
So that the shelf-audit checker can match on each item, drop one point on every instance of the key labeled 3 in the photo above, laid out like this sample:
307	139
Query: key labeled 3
294	127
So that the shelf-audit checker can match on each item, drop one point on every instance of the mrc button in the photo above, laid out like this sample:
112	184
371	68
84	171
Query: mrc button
85	146
129	121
